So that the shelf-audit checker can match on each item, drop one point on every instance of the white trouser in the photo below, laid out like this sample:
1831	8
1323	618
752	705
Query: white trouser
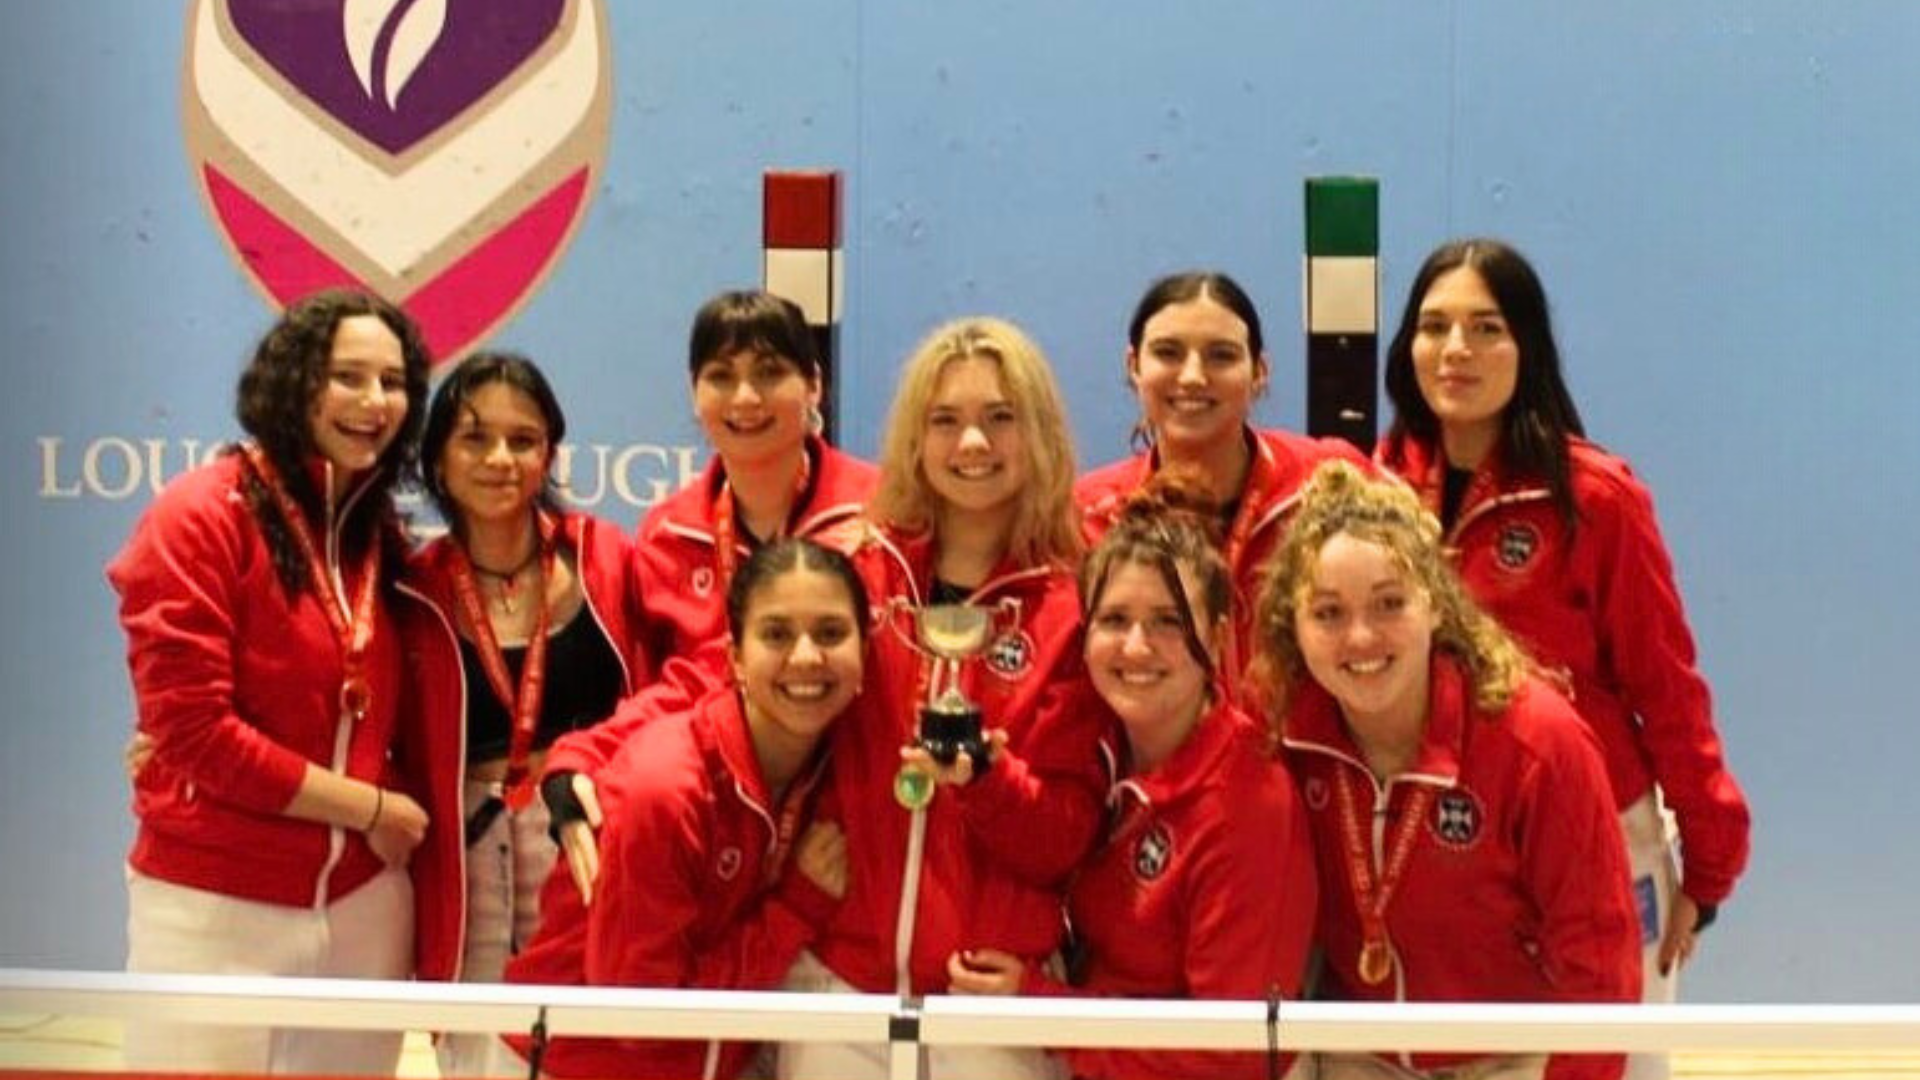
507	866
1368	1067
869	1061
1651	860
173	929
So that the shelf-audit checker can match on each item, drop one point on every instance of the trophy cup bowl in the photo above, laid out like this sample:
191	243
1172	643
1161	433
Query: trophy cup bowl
949	723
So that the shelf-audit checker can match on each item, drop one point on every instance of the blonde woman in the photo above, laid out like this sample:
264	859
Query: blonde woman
967	846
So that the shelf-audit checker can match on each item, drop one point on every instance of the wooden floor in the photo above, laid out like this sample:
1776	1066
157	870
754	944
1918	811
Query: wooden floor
93	1045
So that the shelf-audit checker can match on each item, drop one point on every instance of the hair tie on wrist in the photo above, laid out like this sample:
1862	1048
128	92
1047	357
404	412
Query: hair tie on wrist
379	803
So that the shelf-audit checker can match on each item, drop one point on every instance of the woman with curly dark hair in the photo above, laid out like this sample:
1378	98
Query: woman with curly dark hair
276	812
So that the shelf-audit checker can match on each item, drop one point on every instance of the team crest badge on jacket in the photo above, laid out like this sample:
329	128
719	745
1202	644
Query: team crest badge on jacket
1152	852
1519	541
1457	818
727	865
1011	654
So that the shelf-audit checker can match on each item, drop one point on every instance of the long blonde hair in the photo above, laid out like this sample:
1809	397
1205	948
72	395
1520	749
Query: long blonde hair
1340	499
1046	526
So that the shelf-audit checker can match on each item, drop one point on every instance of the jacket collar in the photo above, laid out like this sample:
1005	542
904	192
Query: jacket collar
1315	725
1191	763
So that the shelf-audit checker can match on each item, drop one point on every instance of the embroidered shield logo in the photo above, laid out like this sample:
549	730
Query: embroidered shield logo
1457	818
1011	654
701	580
1516	545
440	154
727	865
1152	852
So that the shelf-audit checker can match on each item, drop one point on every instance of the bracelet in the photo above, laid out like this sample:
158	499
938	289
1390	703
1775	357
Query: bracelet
379	803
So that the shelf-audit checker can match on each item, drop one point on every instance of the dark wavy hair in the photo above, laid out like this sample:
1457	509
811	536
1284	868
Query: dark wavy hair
1541	417
476	372
752	319
782	557
274	404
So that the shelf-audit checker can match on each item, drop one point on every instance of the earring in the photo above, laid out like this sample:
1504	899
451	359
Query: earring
816	423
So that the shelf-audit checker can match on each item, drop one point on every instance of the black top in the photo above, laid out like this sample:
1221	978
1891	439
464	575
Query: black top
583	683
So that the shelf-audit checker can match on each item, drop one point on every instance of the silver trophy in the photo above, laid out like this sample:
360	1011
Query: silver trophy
950	723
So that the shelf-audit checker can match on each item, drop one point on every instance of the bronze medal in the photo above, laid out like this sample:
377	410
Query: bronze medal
356	697
1376	962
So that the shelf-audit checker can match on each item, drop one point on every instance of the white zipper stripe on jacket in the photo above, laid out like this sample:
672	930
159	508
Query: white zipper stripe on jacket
453	642
1481	509
342	727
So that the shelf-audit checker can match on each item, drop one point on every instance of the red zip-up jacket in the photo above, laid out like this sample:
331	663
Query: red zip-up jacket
1516	887
238	686
696	890
603	558
1602	606
682	624
1204	887
991	866
1281	464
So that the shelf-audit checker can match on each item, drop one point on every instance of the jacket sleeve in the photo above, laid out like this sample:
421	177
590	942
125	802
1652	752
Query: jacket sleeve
681	682
180	584
1643	632
1575	867
640	929
1038	809
1251	893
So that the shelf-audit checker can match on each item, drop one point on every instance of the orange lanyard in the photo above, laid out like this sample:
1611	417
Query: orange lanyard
1370	898
352	626
525	705
726	556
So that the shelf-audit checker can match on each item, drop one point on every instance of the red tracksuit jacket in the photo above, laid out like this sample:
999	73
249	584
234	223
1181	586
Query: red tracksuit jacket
1204	887
603	557
1603	606
238	688
997	852
682	624
1516	885
696	890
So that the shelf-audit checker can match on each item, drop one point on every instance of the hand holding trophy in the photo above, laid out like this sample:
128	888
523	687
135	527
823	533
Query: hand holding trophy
950	723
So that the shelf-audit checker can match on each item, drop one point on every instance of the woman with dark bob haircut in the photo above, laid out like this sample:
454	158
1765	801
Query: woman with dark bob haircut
1557	539
1197	361
522	634
276	813
757	384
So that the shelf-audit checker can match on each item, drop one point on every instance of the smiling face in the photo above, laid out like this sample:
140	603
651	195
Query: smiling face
1365	634
1466	361
754	406
362	405
798	656
1138	658
495	458
974	452
1196	376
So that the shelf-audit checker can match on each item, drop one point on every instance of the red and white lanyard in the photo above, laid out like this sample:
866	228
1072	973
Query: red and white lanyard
352	626
1370	897
524	706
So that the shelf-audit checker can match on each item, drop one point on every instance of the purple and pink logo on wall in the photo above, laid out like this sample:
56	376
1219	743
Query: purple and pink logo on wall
438	152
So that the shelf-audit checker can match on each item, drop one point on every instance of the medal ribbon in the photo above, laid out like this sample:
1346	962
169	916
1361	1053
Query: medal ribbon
1370	897
352	626
726	556
524	705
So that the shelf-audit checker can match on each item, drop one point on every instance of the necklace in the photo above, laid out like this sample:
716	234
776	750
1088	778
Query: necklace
508	588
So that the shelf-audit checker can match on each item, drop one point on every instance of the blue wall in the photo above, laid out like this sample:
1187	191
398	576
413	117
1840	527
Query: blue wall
1721	197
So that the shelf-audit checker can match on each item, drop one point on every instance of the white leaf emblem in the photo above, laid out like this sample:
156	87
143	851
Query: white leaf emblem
408	28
